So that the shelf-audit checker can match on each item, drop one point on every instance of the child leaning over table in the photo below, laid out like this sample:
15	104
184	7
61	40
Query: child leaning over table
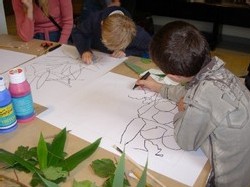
213	104
113	31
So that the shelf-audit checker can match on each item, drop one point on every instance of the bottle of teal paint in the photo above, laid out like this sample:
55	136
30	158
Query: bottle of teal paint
8	120
20	92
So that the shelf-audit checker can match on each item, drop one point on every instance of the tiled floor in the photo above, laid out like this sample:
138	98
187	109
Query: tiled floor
236	55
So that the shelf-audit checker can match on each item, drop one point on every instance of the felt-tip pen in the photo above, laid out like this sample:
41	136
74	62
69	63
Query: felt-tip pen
144	77
55	47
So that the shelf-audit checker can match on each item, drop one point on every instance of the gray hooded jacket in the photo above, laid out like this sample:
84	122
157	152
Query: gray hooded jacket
217	104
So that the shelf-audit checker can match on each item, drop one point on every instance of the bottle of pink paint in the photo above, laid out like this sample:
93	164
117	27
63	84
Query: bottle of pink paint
21	95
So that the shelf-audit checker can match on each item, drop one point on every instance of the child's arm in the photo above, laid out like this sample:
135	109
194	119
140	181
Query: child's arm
82	43
118	54
66	19
150	83
24	18
87	57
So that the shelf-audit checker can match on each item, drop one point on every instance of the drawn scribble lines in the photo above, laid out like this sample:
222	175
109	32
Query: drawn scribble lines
60	69
152	128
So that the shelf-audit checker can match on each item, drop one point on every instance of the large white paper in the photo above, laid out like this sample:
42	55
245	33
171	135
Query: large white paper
139	119
10	59
109	108
60	73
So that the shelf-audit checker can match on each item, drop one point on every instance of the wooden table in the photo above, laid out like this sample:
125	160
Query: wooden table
28	134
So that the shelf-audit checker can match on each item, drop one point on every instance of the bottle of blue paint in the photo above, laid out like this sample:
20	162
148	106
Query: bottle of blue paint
8	120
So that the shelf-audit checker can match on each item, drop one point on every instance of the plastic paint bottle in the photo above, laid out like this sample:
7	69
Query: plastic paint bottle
21	96
8	120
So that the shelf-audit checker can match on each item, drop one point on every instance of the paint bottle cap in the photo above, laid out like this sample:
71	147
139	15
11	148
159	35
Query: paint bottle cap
17	75
2	84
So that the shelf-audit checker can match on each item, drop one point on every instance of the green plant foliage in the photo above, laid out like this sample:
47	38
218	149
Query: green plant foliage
47	161
56	149
49	166
12	159
72	161
119	172
103	168
106	168
54	173
42	153
143	180
85	183
26	153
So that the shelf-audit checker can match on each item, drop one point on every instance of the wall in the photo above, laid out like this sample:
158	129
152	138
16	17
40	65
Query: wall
227	30
3	28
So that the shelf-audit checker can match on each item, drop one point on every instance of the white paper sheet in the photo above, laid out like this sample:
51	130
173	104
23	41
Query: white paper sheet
10	59
109	108
60	73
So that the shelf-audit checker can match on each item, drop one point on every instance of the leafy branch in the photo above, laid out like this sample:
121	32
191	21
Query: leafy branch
50	165
115	175
47	162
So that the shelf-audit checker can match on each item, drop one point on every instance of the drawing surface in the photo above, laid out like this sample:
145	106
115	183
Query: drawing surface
11	59
138	119
56	75
93	103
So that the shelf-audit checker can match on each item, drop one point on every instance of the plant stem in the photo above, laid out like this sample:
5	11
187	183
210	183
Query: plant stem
2	178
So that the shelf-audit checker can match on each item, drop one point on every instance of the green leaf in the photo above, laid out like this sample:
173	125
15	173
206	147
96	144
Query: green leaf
143	180
54	173
119	172
42	153
108	182
104	167
23	152
72	161
85	183
10	158
56	149
47	182
14	158
6	158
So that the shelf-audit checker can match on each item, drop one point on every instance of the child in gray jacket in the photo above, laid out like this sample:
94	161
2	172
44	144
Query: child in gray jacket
213	104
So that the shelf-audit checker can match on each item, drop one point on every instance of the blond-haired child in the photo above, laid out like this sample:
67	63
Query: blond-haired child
113	31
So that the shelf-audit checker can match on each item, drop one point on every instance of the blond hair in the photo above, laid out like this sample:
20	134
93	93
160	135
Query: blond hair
44	4
118	31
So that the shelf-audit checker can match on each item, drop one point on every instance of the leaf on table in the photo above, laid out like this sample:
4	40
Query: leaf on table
56	149
72	161
143	180
85	183
42	153
104	167
119	172
54	173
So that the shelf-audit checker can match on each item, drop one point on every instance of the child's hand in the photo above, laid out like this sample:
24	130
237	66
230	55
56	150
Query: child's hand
118	54
87	57
150	83
181	105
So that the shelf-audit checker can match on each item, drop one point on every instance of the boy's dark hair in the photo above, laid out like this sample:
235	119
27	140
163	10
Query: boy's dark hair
247	78
179	48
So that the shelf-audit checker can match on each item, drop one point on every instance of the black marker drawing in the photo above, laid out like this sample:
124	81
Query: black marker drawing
61	69
152	128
